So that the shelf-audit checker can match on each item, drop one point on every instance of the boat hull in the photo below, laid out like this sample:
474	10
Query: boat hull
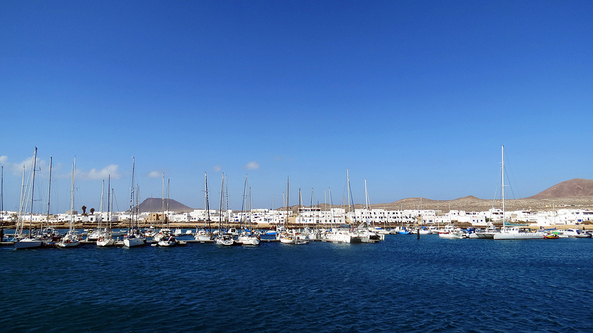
519	235
28	243
451	235
104	242
72	243
133	242
248	240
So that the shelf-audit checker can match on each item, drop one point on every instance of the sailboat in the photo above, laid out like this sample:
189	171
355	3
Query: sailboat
134	237
48	234
246	236
512	232
70	239
205	234
105	236
29	241
224	238
343	234
363	230
169	239
290	236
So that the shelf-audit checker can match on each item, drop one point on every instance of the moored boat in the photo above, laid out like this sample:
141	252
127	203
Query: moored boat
70	239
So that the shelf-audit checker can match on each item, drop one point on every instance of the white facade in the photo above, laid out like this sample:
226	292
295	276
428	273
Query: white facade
338	216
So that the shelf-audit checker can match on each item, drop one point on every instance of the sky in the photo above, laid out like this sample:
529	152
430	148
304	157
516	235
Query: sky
414	97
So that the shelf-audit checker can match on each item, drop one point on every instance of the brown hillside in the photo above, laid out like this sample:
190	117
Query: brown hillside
577	187
156	204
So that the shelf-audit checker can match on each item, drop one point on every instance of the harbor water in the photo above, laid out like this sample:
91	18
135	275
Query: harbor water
399	285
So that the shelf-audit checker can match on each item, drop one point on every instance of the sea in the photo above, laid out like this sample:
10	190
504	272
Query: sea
402	284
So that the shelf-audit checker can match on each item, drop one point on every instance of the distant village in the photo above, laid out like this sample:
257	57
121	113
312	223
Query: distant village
310	216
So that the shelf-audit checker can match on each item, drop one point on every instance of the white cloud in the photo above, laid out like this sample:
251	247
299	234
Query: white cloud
217	168
101	174
154	174
17	168
252	165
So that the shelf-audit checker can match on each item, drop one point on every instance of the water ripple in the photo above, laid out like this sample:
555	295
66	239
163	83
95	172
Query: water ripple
402	284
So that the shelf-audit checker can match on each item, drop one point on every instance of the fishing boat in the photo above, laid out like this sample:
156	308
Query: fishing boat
70	239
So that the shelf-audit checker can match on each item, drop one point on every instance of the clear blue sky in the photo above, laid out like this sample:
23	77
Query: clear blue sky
416	97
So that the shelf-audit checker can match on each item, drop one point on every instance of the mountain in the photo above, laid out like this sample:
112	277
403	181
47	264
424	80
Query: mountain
577	187
156	204
574	193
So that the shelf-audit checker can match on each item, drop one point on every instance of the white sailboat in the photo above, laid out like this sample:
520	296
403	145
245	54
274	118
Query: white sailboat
134	237
287	236
513	232
106	236
246	236
166	239
70	239
205	234
29	241
343	234
224	238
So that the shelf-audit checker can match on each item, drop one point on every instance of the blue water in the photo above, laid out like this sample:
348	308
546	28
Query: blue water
402	284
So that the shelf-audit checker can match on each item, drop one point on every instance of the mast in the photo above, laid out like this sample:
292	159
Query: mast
101	203
72	196
207	203
226	206
163	203
168	199
330	207
102	195
137	207
348	189
48	192
33	188
243	204
314	214
21	204
366	194
108	200
221	205
350	200
249	212
502	178
2	189
132	193
287	188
